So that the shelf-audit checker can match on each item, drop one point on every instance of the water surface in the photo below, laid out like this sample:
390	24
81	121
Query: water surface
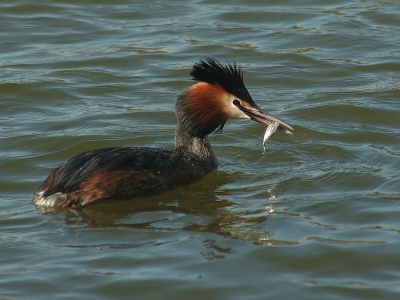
316	217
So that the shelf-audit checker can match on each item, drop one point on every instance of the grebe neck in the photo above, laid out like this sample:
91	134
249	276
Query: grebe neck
184	141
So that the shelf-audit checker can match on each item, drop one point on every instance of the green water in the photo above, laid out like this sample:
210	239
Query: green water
316	217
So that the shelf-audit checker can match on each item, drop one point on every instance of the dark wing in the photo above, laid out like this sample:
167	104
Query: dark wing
79	168
124	172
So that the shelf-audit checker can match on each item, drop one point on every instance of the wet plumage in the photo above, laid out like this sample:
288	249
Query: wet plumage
121	173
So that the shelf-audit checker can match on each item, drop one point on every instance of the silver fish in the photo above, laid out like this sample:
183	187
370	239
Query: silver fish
271	129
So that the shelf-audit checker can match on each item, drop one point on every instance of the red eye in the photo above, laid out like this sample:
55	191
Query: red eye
236	102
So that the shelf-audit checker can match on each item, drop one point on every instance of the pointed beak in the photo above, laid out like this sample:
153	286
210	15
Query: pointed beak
264	118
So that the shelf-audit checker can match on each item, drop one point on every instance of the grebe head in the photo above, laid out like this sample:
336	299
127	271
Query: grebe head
219	94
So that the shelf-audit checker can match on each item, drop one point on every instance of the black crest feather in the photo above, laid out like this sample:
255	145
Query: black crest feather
228	76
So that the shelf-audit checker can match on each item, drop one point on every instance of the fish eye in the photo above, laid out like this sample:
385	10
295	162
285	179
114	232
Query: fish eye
236	102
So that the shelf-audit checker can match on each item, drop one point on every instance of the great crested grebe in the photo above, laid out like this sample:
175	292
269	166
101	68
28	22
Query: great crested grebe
121	173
